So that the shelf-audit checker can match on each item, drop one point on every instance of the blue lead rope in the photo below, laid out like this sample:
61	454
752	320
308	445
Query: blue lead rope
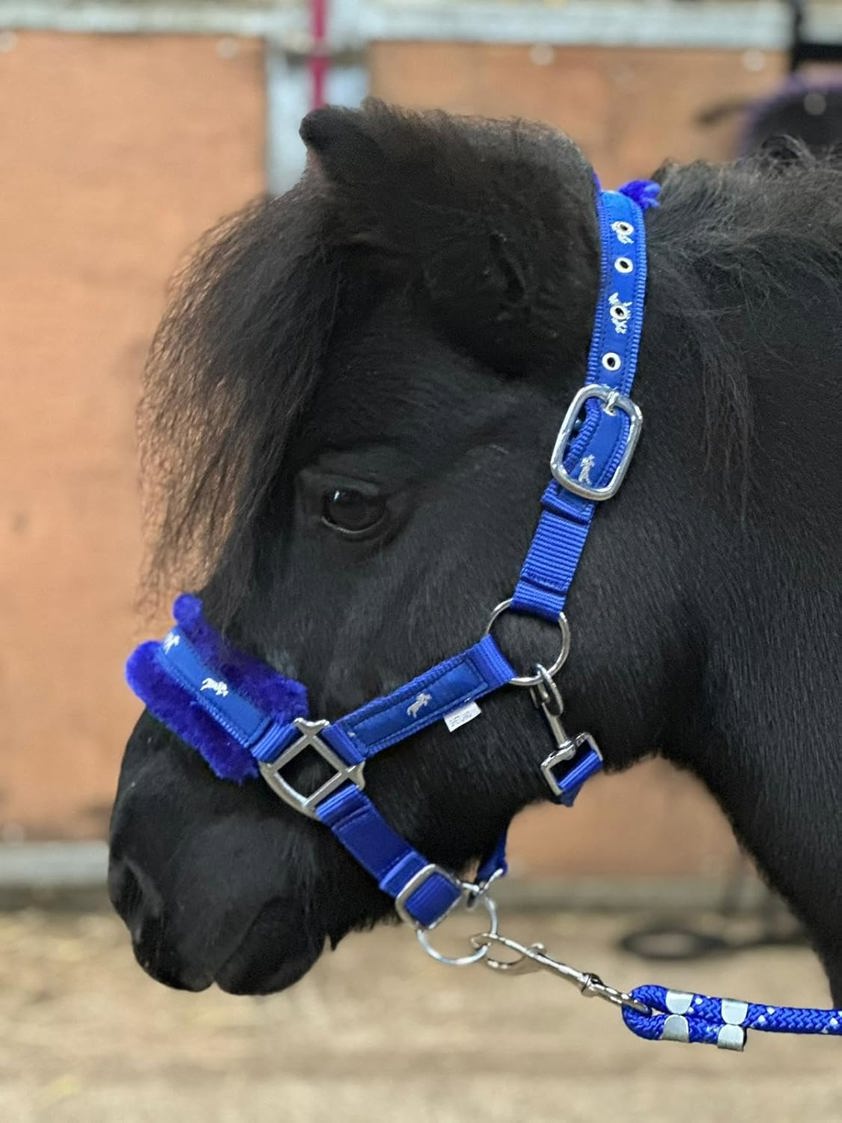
699	1019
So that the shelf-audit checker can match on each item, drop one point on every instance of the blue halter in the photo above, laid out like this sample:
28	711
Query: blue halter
246	719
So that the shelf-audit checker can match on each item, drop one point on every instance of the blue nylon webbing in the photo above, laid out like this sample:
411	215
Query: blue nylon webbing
390	859
375	726
595	451
425	700
581	770
238	716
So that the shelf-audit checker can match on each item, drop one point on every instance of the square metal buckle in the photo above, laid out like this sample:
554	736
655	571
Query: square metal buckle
564	755
414	884
611	400
310	739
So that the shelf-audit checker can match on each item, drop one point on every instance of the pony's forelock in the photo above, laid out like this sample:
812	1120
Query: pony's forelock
231	367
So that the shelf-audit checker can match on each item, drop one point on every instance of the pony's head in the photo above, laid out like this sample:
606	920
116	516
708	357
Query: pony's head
349	411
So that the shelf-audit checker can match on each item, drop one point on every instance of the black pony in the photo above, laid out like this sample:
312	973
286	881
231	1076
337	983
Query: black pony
349	413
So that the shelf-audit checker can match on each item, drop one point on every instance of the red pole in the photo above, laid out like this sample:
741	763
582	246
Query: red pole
319	61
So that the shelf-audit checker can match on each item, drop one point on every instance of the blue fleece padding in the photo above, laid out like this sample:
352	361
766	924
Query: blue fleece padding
182	710
641	191
280	697
180	713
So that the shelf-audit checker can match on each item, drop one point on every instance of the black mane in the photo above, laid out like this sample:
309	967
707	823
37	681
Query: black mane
240	350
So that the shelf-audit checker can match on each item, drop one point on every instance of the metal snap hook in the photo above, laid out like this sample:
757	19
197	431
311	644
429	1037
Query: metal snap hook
533	957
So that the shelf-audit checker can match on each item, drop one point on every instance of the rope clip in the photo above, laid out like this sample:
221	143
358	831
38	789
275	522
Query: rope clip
533	957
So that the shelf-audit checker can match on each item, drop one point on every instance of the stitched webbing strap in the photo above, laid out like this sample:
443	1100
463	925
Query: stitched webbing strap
390	859
428	698
377	725
594	452
241	719
393	862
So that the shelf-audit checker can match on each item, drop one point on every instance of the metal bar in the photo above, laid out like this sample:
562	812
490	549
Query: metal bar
736	24
808	51
53	865
319	60
104	17
287	100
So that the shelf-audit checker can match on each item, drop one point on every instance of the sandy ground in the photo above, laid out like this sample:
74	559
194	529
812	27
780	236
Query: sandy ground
378	1032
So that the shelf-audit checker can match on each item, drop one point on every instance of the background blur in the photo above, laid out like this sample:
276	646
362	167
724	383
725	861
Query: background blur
126	129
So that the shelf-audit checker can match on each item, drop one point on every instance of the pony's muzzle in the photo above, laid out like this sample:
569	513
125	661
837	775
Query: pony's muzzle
140	905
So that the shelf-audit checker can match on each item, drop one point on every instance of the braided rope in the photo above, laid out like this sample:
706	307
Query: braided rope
700	1019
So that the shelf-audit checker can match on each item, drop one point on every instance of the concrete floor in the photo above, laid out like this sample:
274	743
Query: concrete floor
378	1032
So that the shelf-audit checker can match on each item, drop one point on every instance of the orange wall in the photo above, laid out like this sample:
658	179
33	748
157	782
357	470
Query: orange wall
115	153
629	108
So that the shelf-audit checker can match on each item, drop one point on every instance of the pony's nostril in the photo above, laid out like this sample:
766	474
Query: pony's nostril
123	888
139	903
132	893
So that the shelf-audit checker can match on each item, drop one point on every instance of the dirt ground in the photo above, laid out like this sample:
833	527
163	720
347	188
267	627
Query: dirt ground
379	1032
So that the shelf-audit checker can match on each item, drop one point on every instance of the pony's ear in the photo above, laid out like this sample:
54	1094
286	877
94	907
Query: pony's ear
494	220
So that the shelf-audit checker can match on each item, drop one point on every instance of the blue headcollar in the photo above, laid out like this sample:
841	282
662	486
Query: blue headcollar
246	719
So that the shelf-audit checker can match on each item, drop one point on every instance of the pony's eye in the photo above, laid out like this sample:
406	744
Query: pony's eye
351	512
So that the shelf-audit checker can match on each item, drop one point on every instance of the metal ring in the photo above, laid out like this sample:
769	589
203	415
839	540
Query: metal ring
611	361
561	659
462	960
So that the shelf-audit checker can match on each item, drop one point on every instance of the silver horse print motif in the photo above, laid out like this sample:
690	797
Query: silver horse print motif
220	689
620	312
624	232
418	705
585	469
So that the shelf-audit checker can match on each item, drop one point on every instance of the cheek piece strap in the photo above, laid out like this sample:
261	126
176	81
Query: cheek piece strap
247	720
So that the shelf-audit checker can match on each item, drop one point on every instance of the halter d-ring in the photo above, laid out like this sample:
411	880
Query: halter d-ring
561	658
472	899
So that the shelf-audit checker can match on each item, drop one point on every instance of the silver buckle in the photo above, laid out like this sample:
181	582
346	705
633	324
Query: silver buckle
564	753
611	400
415	883
310	739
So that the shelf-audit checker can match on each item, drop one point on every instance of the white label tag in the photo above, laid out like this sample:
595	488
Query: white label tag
462	716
